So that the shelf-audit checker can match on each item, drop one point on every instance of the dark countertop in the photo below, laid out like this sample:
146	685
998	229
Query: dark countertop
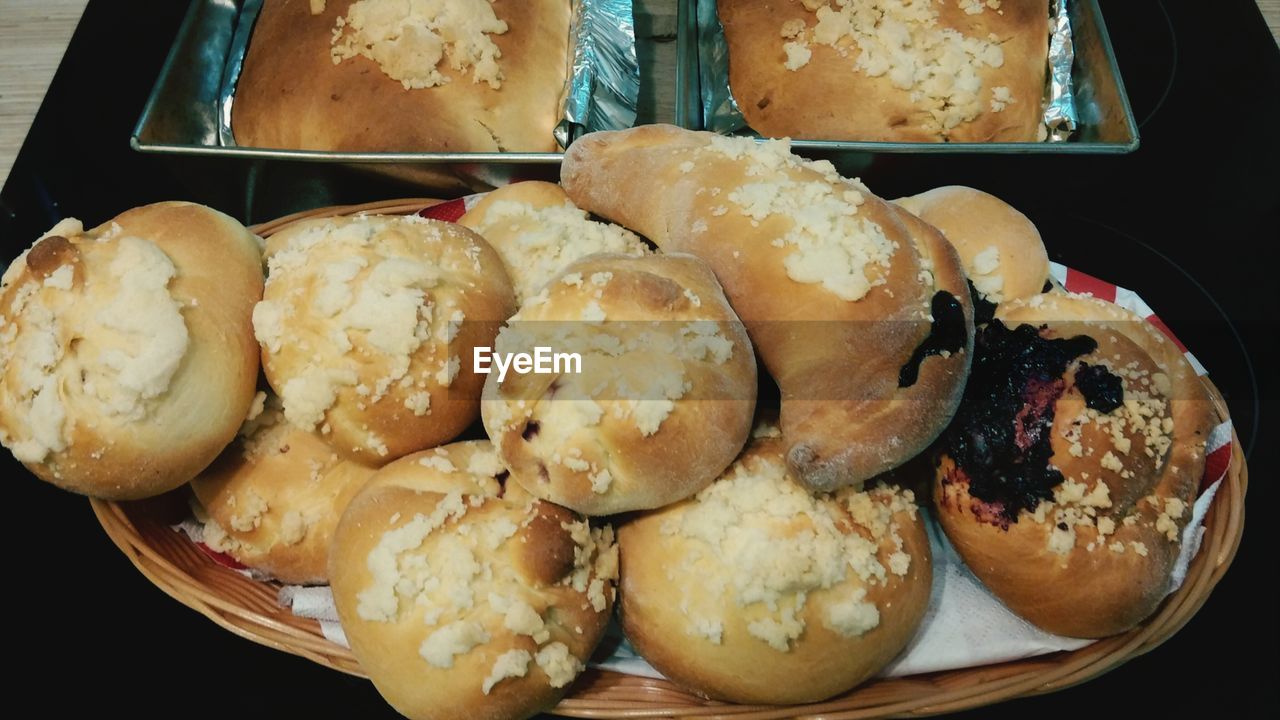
1189	220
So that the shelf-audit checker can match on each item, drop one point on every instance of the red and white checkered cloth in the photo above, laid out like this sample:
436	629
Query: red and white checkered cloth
451	210
965	625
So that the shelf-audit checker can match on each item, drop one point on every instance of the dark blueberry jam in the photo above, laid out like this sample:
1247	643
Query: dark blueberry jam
983	309
1000	437
1103	390
946	335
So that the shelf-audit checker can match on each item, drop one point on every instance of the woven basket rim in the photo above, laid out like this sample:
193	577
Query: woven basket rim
248	608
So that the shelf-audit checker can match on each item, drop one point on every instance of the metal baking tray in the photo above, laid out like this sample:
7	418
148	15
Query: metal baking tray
181	115
1106	124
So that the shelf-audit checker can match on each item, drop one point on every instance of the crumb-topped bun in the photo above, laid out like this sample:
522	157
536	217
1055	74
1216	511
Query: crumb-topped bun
392	75
1000	248
273	498
755	591
1068	476
885	70
367	327
127	350
538	231
664	397
463	600
860	311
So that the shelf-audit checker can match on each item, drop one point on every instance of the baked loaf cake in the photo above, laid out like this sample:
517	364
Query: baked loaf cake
755	591
126	351
664	399
394	75
860	311
1067	478
888	70
1000	248
367	328
462	598
273	498
538	231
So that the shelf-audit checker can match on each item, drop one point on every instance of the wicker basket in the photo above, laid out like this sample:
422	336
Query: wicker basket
249	609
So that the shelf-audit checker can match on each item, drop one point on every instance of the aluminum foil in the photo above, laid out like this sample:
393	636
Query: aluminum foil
1059	101
720	111
604	76
600	94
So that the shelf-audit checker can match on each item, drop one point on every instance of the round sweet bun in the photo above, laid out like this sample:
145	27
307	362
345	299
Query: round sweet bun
273	498
538	231
1000	248
848	427
755	591
127	352
367	328
1069	474
860	311
463	600
664	397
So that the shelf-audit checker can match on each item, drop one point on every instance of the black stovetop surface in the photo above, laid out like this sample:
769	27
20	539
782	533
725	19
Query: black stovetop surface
1189	220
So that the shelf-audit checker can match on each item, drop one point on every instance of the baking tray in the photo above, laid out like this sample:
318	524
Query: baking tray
181	116
1106	124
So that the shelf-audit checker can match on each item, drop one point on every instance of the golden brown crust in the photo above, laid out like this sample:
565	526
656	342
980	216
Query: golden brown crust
367	327
471	574
975	222
535	193
679	605
274	498
130	427
1096	560
538	231
830	98
878	434
700	193
664	358
291	95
